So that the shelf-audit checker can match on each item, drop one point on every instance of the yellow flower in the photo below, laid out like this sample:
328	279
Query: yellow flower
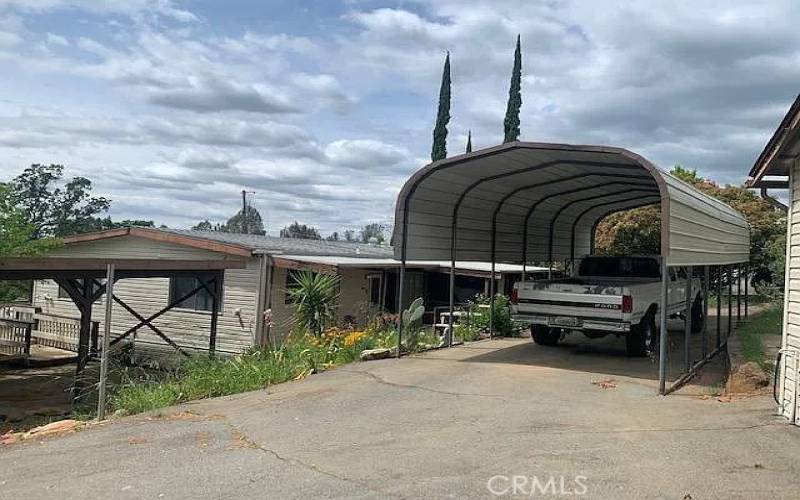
353	339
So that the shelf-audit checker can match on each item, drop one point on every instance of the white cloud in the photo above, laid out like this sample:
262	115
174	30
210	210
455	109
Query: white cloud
133	8
366	154
326	122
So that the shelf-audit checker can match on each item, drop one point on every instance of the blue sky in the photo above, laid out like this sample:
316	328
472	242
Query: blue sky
323	108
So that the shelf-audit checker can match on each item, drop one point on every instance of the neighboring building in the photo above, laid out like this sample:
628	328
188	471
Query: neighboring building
368	284
778	167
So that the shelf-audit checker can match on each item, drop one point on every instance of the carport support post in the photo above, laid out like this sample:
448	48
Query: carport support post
662	327
400	281
738	293
730	301
706	278
719	306
746	296
491	302
492	283
687	312
101	396
450	331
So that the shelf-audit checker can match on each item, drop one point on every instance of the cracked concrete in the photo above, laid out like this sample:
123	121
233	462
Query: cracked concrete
432	426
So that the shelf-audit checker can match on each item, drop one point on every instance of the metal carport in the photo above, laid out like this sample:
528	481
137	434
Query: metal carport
525	202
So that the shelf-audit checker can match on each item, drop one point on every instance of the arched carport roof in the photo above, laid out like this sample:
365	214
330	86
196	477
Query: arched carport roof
541	202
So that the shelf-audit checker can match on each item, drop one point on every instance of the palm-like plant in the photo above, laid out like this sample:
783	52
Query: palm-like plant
314	297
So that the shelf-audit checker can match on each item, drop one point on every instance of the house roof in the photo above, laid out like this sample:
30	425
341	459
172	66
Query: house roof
219	246
779	153
277	246
242	245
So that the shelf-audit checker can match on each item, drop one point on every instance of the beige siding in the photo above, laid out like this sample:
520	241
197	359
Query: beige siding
791	333
354	295
353	301
190	328
186	327
132	247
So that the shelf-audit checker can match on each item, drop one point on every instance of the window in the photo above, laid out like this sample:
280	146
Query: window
200	301
620	267
375	282
62	294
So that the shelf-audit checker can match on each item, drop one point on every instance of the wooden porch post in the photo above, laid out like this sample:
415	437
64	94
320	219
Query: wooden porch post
212	337
85	308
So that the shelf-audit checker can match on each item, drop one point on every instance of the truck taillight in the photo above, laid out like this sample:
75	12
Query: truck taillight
514	295
627	303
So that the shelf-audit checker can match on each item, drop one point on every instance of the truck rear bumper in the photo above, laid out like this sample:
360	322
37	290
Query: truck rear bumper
582	324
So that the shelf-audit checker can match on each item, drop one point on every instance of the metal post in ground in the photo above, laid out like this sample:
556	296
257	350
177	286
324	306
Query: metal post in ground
450	332
706	278
687	312
738	293
491	302
719	306
662	324
101	397
730	302
492	284
400	280
746	286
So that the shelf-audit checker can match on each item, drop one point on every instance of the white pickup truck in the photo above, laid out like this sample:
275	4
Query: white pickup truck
606	296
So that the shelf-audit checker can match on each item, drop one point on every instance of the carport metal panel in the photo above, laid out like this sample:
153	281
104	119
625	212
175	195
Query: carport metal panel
456	199
471	207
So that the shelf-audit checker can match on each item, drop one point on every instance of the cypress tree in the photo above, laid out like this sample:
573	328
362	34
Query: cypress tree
469	141
511	122
439	150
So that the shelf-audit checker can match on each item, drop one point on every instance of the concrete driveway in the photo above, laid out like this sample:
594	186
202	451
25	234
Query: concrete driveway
456	423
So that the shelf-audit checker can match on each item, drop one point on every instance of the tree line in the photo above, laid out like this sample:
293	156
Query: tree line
369	233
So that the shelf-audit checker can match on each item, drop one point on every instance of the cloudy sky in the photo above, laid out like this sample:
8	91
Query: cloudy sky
323	108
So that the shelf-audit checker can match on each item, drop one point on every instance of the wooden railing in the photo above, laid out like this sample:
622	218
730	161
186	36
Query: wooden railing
62	332
22	325
16	326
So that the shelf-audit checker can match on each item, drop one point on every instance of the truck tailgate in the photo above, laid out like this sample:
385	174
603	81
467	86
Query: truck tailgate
561	302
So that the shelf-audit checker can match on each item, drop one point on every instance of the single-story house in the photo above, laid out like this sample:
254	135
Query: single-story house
254	308
778	167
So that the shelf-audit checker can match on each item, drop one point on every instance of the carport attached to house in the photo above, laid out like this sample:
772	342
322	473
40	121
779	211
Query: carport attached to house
531	202
81	266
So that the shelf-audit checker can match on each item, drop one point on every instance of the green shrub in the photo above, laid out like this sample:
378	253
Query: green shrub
479	317
314	297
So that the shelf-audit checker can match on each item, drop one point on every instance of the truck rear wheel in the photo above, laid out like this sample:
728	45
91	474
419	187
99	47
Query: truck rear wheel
642	340
544	335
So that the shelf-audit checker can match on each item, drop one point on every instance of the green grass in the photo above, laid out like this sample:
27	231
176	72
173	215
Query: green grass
752	300
138	390
201	377
751	334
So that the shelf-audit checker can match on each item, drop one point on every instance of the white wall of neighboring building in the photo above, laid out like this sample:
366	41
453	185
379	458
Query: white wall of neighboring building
791	313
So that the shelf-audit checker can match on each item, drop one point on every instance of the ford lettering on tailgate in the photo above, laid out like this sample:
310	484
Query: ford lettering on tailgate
607	306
